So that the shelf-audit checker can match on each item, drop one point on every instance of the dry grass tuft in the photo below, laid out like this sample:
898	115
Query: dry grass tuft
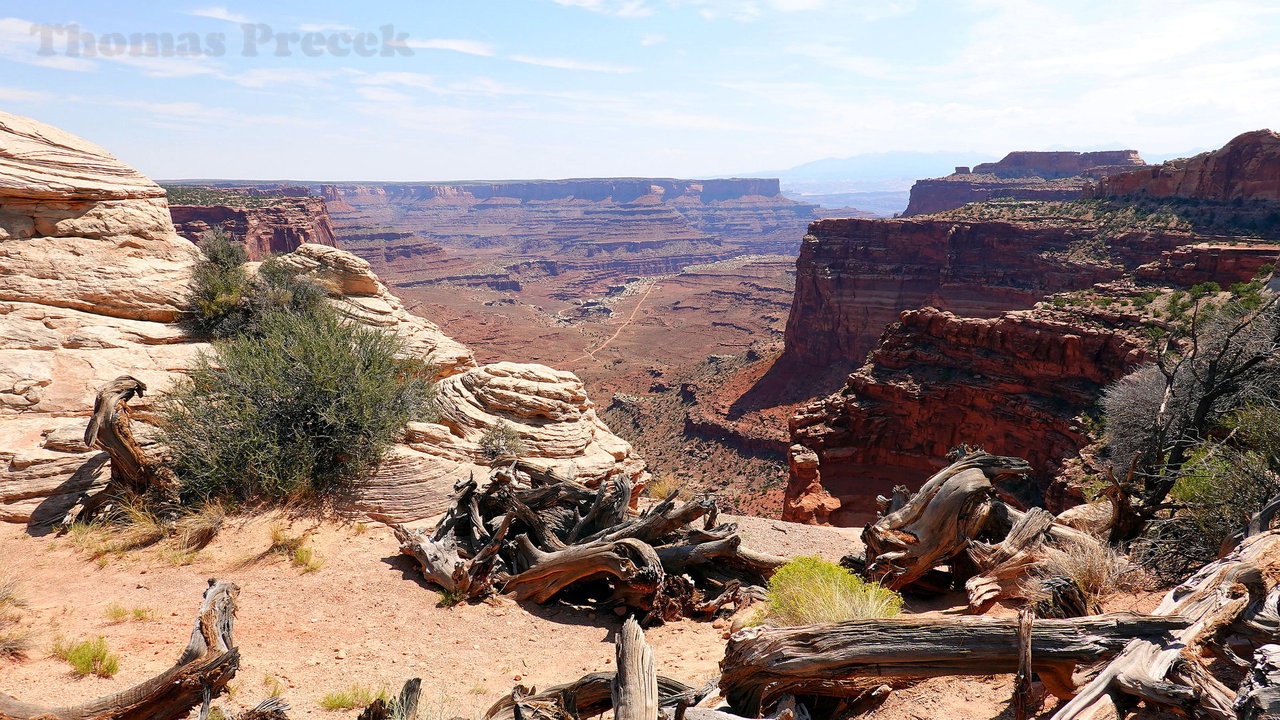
294	547
1096	568
14	642
661	487
88	657
356	696
198	528
810	590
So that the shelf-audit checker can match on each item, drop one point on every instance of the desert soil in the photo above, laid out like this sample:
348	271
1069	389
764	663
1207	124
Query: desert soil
365	617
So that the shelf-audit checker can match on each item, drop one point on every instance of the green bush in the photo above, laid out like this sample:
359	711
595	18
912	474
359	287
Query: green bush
356	696
810	590
88	657
501	442
300	408
227	300
1204	289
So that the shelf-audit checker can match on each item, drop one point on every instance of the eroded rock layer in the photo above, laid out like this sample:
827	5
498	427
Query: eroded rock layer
1013	384
279	227
592	232
1245	169
1021	175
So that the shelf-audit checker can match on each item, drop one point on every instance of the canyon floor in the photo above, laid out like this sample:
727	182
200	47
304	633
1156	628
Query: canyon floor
366	617
651	355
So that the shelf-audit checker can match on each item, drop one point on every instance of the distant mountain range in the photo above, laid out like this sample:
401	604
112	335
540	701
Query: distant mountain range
881	182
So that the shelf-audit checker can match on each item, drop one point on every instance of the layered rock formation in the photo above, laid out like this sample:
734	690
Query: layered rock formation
93	281
1244	170
279	227
596	231
1021	175
1013	384
854	276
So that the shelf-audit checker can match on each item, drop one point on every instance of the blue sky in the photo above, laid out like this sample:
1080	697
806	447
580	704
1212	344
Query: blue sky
575	88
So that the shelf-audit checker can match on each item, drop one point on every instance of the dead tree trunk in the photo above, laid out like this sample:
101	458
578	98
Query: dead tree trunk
1259	696
588	696
1230	598
633	564
132	471
938	521
635	687
207	664
846	659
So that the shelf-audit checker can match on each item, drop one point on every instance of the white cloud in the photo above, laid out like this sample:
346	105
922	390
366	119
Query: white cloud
295	77
220	12
326	27
461	45
619	8
572	64
22	95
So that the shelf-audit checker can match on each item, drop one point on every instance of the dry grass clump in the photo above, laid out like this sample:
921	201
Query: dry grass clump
87	657
117	613
132	527
356	696
294	547
14	642
1096	568
663	486
810	591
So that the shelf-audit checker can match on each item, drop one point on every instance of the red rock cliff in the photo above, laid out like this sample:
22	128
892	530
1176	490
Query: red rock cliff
276	228
854	277
1022	175
1012	384
1245	169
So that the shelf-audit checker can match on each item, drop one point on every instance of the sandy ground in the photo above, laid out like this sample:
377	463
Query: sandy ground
366	617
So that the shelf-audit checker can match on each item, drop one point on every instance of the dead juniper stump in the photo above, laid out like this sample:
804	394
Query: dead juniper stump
539	539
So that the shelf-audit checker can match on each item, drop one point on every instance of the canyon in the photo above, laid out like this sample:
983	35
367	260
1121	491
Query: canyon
278	226
997	324
1020	175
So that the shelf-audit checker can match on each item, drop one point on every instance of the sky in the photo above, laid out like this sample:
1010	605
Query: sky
493	89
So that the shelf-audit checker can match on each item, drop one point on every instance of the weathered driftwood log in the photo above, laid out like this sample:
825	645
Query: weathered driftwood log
635	687
206	665
845	659
585	697
403	707
633	564
1233	596
1259	695
273	708
445	563
1004	567
133	472
938	521
534	541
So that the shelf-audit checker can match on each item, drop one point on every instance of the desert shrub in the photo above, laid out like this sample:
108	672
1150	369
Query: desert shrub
117	613
88	657
300	409
810	590
501	442
356	696
227	300
1204	289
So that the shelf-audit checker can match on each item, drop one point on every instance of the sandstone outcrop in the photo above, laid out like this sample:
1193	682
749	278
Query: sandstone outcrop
1021	175
1245	169
278	227
93	282
1013	384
